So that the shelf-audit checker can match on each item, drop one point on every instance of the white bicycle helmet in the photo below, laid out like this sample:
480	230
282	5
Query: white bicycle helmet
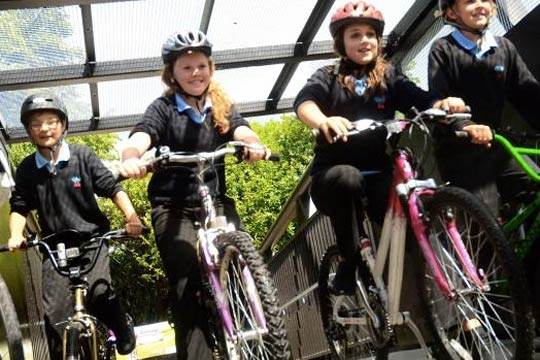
180	42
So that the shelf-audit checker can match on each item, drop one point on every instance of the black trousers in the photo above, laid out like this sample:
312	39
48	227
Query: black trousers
341	192
101	301
491	174
176	238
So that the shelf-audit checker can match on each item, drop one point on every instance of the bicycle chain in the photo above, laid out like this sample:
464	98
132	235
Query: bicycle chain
381	337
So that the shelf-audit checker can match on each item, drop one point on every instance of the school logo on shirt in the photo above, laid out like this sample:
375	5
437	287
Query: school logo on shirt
379	100
76	181
499	72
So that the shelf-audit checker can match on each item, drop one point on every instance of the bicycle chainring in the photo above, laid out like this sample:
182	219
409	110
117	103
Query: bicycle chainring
381	336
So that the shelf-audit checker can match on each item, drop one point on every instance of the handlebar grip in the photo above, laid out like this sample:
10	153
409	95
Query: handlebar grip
274	157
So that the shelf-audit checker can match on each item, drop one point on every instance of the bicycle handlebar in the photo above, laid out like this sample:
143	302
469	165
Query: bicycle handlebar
181	157
235	148
396	126
63	256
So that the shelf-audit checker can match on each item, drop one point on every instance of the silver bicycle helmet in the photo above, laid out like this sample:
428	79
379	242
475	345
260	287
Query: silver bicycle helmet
180	42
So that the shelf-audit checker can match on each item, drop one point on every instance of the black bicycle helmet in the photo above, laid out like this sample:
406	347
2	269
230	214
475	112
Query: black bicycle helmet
43	101
445	4
180	42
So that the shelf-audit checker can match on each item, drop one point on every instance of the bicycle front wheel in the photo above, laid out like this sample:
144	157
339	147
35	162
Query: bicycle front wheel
349	341
483	322
77	344
10	333
242	267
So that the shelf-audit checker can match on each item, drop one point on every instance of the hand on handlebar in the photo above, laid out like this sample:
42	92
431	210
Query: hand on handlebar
133	168
16	242
451	105
335	126
255	152
479	134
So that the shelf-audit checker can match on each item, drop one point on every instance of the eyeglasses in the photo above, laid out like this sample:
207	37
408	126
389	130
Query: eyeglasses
49	125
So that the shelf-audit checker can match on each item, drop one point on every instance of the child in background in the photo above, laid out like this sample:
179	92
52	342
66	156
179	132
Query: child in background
60	181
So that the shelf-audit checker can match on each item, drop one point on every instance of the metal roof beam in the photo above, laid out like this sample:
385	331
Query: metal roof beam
418	19
93	72
313	23
206	15
28	4
86	15
126	122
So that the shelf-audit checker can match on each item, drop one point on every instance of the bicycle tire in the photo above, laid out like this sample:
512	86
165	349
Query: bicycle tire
237	251
345	341
492	324
106	350
9	326
78	345
73	345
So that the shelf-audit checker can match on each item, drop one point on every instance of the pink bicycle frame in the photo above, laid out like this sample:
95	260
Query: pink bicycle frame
404	174
206	247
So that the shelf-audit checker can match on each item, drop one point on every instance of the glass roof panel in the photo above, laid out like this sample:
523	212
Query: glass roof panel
301	75
41	37
248	84
76	98
127	97
248	23
135	29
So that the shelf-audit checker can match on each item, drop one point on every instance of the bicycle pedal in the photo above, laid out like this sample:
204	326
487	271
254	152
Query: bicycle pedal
350	313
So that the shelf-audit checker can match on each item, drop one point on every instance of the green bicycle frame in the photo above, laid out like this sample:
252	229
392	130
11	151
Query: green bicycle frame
531	209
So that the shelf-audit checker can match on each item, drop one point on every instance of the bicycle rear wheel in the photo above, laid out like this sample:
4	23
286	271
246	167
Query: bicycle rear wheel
486	324
238	254
10	333
348	341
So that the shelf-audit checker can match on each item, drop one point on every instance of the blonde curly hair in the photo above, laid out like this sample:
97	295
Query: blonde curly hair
221	103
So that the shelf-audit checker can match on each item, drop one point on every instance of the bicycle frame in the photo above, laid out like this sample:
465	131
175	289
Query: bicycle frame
60	260
405	193
530	210
211	226
80	316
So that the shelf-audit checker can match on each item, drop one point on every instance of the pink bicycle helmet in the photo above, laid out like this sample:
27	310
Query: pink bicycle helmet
357	11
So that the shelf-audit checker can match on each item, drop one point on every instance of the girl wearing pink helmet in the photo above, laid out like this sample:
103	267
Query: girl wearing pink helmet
361	84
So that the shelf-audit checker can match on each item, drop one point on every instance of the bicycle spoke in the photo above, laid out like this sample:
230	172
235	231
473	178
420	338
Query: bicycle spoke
481	319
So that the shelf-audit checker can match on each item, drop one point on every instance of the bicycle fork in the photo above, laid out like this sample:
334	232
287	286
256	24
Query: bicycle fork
420	229
217	285
80	326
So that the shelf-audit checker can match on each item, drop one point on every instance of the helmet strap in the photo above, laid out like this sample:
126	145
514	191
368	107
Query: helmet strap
52	152
461	26
196	97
